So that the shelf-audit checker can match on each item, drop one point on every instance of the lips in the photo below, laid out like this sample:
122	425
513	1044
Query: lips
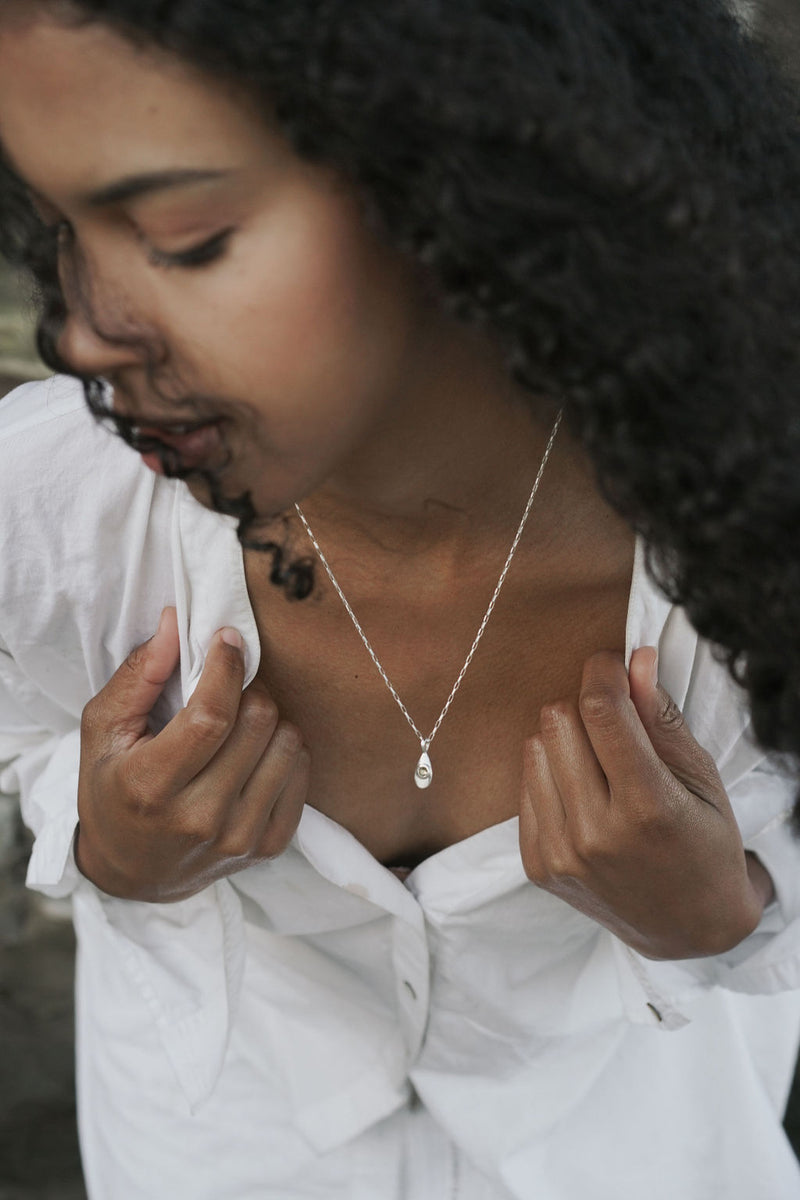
194	445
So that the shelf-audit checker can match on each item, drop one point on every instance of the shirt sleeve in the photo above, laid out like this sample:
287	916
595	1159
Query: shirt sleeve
766	962
42	768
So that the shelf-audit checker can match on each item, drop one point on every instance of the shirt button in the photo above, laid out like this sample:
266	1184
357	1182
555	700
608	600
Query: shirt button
410	989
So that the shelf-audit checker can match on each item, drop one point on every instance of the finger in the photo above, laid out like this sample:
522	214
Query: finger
245	831
577	774
237	758
541	794
623	749
288	809
667	729
188	743
122	707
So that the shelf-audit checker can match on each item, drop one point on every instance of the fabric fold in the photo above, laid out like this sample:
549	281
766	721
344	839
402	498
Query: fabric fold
187	968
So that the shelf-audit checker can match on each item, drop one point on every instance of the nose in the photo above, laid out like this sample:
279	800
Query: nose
87	352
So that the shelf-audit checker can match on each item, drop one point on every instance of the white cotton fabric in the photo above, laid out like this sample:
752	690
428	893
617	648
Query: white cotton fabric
315	1028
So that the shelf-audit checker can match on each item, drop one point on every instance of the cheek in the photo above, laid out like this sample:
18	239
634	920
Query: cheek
311	309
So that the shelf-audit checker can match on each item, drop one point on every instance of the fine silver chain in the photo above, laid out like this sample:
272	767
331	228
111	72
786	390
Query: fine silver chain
423	775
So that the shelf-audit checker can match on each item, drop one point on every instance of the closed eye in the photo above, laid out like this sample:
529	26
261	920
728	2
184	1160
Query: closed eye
196	256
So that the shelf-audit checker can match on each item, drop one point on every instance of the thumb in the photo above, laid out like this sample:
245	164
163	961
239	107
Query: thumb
666	726
129	696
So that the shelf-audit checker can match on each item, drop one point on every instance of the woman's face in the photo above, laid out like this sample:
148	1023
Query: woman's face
209	272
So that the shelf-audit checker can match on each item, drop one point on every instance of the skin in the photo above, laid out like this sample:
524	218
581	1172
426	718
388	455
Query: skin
336	381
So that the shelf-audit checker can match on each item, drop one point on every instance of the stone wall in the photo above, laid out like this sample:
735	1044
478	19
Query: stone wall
18	357
778	22
18	360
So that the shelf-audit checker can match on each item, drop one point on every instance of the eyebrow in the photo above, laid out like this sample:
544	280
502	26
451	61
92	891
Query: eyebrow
133	186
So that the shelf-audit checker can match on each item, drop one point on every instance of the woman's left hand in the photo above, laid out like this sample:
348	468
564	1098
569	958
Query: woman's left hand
624	816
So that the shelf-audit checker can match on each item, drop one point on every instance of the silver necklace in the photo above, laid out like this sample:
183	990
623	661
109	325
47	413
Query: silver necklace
423	774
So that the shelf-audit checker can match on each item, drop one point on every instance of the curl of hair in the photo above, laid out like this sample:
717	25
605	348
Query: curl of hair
614	190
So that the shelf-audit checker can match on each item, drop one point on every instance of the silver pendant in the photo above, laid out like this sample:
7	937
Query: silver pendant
424	772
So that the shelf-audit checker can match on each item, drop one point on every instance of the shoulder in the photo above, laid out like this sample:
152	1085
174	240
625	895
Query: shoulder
49	440
54	456
32	405
80	510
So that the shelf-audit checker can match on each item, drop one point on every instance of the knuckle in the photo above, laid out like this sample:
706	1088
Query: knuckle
559	860
560	865
275	841
652	822
288	740
588	843
141	795
670	715
208	722
258	712
194	828
91	719
236	847
555	715
600	704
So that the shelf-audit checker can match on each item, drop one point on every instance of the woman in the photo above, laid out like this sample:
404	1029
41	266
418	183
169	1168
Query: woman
479	922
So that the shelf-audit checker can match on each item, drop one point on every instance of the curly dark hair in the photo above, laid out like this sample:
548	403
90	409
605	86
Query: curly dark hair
614	190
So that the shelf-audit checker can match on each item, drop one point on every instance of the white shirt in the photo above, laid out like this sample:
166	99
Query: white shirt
315	1027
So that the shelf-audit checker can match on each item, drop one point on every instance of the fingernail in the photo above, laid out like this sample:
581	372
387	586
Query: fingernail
655	668
232	637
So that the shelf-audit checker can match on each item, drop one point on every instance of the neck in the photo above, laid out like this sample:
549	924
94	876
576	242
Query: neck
454	454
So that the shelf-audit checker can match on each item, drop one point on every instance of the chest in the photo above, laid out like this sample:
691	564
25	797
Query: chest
363	748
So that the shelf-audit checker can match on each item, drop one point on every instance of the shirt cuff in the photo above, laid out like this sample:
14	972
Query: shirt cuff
52	869
777	847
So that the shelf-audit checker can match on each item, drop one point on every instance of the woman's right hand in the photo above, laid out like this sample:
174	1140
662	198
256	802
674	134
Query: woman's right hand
220	788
